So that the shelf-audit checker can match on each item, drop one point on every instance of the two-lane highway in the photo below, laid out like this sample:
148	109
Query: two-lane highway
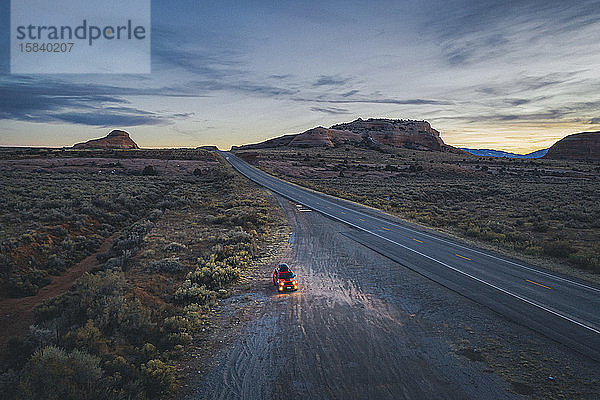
560	307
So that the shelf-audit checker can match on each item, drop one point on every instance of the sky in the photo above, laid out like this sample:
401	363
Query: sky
507	75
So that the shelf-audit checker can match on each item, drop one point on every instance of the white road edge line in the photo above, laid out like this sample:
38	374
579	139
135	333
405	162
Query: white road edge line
469	275
454	269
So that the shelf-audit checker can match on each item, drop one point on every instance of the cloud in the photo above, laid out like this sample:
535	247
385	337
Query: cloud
264	90
281	77
493	30
58	101
180	50
543	116
526	84
518	102
330	80
568	112
378	101
350	93
330	110
243	86
482	46
199	62
105	119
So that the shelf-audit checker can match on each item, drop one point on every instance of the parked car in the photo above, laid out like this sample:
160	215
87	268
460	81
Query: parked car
284	278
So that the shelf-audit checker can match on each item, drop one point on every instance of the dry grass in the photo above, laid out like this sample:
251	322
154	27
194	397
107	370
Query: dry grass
185	237
537	208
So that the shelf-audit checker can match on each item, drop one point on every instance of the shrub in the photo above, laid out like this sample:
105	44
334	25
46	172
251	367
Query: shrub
9	383
585	260
159	378
123	375
62	306
17	352
539	226
128	319
237	236
558	248
99	297
192	293
55	265
59	231
149	170
90	338
215	278
154	215
55	374
179	339
148	351
175	247
27	284
176	323
115	263
166	265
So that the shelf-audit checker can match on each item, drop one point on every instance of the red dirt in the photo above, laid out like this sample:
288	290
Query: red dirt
17	314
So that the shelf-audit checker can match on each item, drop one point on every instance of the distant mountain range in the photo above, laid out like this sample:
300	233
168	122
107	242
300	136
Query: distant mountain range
499	153
578	146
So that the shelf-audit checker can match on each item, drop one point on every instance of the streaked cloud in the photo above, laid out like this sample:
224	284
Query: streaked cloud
330	110
325	80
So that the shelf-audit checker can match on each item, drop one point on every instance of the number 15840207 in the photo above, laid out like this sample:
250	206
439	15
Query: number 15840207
46	47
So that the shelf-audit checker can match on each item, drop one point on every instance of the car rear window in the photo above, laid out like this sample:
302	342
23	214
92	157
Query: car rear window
286	275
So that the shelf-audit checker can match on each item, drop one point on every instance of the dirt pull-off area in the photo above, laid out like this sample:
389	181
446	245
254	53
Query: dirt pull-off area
364	327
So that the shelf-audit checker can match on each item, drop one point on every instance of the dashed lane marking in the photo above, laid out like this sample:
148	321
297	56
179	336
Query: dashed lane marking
539	284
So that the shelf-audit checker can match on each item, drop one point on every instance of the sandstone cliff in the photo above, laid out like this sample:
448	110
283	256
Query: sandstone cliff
579	146
115	140
373	132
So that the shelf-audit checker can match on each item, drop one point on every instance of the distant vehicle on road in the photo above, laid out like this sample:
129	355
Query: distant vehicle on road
284	278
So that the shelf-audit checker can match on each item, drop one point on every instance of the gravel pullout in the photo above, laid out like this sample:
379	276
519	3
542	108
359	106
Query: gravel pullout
364	327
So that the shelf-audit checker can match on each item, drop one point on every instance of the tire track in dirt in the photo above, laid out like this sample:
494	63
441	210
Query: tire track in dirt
338	337
351	345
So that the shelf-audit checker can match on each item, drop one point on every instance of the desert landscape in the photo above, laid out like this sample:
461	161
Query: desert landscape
144	273
545	208
353	200
113	263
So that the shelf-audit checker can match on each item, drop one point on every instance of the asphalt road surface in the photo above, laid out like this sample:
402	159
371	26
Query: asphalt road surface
349	332
561	308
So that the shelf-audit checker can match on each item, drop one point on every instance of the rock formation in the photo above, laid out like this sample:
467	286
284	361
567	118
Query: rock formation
115	140
579	146
398	133
372	132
